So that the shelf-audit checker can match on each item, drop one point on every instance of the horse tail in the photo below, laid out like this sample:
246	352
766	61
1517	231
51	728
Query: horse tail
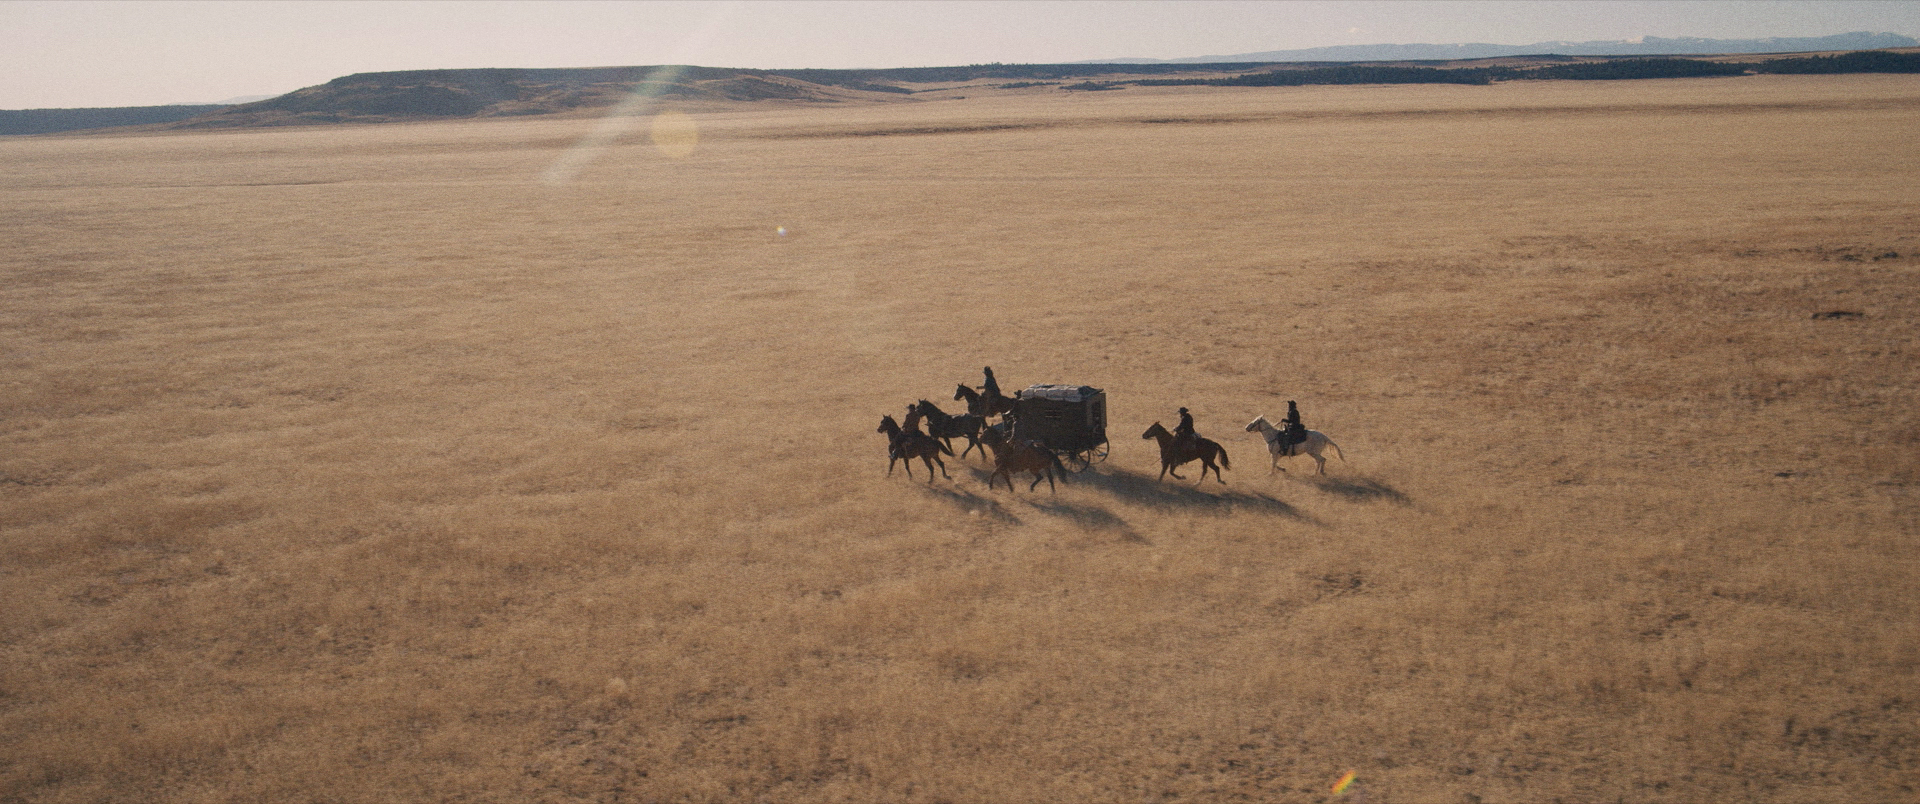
1336	447
1224	463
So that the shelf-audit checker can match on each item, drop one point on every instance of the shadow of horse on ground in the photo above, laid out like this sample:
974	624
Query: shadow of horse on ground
1358	489
986	475
1088	517
1092	517
974	504
1145	490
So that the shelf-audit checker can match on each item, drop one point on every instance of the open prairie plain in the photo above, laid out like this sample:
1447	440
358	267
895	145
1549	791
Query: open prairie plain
534	460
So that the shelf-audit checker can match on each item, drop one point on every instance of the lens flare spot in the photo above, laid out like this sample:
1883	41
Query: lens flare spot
780	230
1344	783
675	134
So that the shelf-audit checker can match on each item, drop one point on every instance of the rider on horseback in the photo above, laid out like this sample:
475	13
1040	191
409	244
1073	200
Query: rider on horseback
992	387
1294	432
1183	432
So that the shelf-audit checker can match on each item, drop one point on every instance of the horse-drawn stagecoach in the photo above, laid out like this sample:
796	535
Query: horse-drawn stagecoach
1064	427
1069	420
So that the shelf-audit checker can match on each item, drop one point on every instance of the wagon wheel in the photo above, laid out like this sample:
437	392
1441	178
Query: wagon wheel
1080	460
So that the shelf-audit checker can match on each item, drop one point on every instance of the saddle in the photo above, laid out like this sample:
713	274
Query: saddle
1290	437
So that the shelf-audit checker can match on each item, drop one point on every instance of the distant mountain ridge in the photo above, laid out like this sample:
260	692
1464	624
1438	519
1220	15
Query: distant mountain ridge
54	121
364	98
1647	46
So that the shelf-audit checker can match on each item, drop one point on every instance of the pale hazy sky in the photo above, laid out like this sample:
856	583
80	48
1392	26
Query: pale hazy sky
81	53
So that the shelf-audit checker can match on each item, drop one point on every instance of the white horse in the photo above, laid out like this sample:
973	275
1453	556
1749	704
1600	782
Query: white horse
1315	443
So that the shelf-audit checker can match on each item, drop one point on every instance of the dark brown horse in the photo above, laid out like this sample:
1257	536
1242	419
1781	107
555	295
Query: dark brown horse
906	445
1011	456
1176	451
947	427
986	406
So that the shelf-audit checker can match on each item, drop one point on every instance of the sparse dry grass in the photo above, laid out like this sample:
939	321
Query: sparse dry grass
360	464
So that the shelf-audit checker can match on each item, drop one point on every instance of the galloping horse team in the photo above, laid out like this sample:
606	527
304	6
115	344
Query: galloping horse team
906	441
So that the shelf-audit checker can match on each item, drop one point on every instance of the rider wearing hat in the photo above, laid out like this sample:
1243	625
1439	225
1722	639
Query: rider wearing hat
1184	430
992	387
1294	432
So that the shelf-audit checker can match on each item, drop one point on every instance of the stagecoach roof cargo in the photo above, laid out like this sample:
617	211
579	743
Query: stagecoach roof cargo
1060	393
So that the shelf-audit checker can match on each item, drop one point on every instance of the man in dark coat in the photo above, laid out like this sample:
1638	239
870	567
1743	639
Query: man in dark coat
1294	432
991	387
1183	432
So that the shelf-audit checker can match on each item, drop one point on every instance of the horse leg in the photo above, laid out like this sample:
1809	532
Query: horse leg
1322	461
1167	469
943	469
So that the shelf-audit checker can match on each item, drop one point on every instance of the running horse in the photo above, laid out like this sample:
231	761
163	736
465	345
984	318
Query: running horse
1176	451
1010	456
946	427
906	445
1316	443
986	406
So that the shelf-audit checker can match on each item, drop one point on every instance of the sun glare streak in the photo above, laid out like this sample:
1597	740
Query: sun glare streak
620	119
1345	782
673	133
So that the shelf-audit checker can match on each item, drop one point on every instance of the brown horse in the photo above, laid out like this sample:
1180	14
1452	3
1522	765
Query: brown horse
905	445
947	427
1011	456
1174	451
986	406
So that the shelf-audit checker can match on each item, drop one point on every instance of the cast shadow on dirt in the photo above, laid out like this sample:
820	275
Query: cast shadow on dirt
973	504
1358	489
1088	517
1091	517
1134	487
1170	494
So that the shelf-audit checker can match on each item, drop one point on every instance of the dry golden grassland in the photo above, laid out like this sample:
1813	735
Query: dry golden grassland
428	462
